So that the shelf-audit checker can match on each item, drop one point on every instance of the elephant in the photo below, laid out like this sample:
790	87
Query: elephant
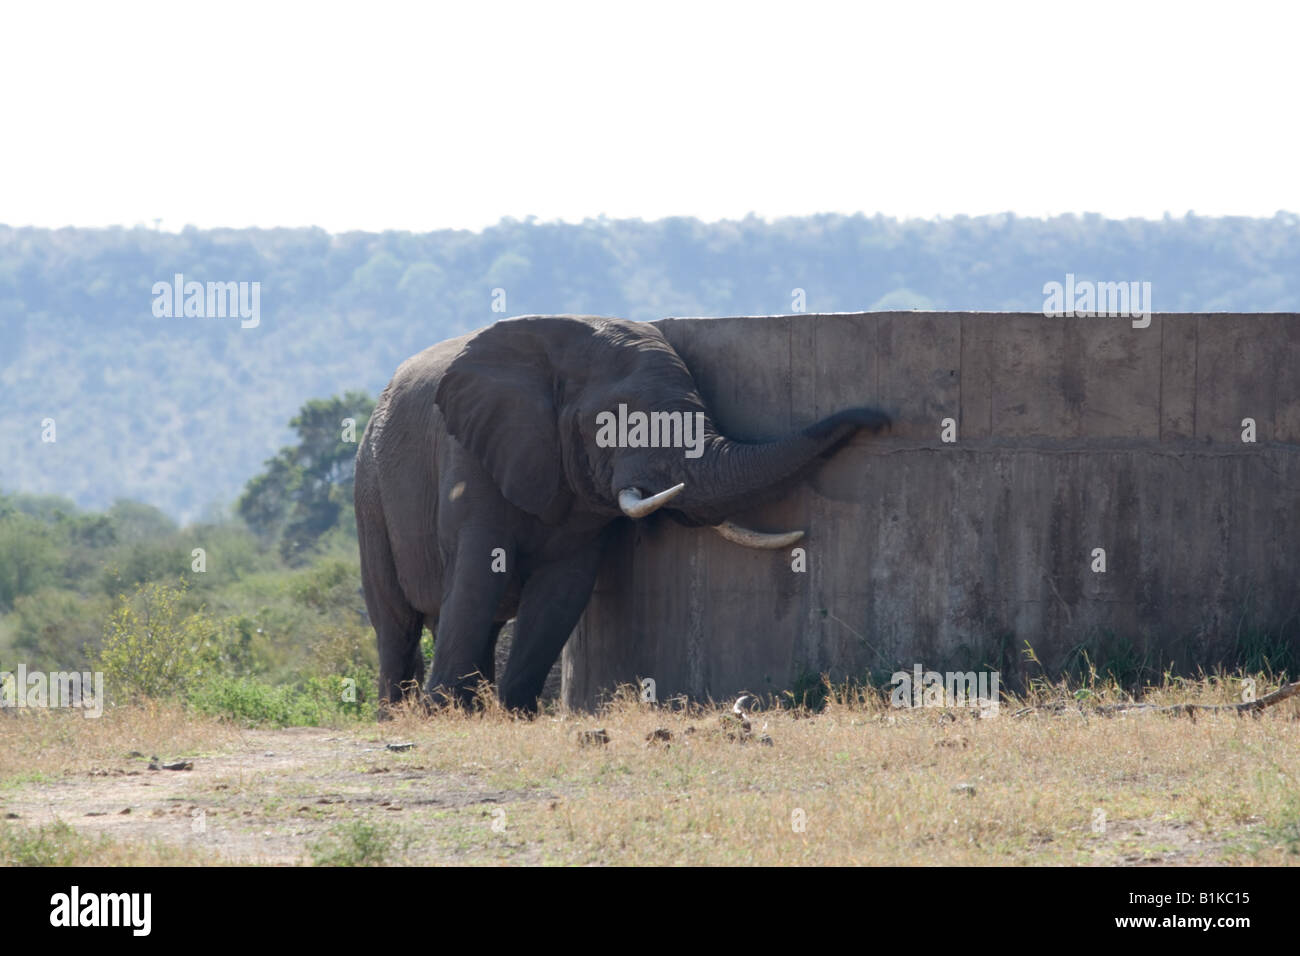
493	467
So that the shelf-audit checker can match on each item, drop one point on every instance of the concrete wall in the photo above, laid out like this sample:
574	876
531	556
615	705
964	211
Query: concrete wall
1073	434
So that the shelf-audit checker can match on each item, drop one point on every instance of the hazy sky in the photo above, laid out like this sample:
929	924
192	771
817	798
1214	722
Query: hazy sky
374	116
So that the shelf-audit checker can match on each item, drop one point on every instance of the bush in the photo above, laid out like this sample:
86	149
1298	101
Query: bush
254	703
327	586
360	843
136	562
58	844
152	648
347	652
56	629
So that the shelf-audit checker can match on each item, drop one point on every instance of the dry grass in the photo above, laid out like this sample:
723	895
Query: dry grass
50	743
871	786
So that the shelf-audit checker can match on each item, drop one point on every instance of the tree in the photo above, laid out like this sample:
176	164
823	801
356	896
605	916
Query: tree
136	521
306	488
29	557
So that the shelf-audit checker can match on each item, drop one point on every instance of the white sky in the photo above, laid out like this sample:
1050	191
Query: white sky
376	116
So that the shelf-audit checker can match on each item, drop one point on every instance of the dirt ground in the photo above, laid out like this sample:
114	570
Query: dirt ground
241	804
845	786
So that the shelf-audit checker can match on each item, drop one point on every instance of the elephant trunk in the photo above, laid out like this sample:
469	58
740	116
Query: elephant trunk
733	476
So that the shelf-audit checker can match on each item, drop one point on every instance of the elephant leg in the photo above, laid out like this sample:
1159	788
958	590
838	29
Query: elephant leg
487	664
398	625
466	634
550	604
401	664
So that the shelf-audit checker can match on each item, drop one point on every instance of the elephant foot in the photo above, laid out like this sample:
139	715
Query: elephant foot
470	693
523	712
518	703
406	697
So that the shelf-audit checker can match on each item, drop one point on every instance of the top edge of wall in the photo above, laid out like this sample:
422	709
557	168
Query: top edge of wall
966	312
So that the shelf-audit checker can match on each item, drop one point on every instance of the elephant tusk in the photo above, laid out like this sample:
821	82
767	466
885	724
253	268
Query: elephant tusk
634	506
748	538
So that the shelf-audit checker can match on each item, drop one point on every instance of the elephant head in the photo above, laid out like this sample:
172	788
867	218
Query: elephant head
575	416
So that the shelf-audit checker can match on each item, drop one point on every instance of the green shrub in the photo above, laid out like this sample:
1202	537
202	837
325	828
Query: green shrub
136	562
58	844
56	629
250	702
326	586
359	843
346	651
152	648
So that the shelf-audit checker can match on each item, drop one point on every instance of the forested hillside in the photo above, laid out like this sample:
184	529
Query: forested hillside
182	412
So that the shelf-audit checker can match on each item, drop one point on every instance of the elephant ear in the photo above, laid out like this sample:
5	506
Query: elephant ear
498	400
